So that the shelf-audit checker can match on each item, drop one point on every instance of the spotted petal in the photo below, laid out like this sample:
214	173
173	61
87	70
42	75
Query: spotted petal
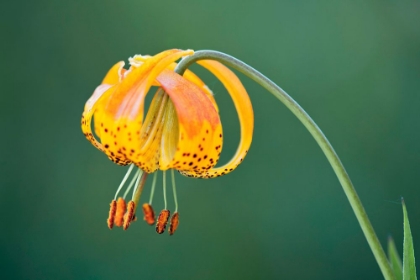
192	132
101	92
245	113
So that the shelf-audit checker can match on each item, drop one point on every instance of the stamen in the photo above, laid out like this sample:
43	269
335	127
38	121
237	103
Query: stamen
132	205
162	221
119	216
152	192
174	223
128	217
174	190
123	181
136	176
149	214
111	215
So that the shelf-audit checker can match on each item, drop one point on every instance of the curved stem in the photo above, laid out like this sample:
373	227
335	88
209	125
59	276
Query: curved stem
316	132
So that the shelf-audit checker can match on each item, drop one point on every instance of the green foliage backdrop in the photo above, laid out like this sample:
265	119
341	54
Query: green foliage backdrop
353	65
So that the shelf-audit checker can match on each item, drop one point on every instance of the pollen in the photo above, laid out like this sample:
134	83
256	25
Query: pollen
149	214
128	217
162	221
112	210
119	216
174	223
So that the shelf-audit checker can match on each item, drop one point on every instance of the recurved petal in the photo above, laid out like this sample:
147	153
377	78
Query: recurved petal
90	108
192	132
245	113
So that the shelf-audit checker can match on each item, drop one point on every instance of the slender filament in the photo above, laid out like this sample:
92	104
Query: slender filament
136	186
152	192
124	179
164	189
174	190
138	173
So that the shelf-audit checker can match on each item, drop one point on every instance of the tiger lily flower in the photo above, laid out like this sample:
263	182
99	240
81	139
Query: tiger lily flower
182	128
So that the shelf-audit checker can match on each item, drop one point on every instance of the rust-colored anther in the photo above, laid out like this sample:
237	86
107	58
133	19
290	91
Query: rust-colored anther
162	221
174	223
111	216
128	217
149	214
119	216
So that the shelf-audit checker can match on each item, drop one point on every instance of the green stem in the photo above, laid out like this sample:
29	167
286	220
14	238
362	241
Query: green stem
320	138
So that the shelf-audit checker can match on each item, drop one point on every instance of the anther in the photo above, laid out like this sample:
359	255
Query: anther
111	216
162	221
128	217
119	216
149	214
174	223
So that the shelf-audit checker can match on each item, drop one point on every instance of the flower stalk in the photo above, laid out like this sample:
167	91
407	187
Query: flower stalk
319	137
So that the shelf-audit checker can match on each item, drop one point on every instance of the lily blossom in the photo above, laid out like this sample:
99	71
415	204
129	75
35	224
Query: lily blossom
181	130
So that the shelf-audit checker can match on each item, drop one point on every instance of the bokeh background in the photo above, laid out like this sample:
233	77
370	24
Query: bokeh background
353	65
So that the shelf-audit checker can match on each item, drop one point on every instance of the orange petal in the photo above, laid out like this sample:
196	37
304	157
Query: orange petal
192	132
190	76
245	113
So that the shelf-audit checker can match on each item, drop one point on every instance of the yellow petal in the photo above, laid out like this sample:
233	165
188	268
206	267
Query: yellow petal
123	112
101	92
114	74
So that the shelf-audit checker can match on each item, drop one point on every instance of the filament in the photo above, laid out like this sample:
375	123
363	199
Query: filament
164	188
136	186
174	190
138	173
123	181
152	192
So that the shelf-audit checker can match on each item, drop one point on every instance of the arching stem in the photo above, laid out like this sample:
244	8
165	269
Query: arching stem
316	132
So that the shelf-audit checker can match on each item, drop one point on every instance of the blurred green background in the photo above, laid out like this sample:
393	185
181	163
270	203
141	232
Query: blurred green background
353	65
